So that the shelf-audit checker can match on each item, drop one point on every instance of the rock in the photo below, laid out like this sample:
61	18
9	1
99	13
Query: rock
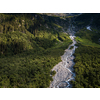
64	68
63	84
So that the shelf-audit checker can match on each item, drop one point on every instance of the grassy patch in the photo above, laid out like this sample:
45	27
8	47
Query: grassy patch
86	42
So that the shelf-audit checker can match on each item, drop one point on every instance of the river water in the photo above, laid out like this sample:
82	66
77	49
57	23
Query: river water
64	69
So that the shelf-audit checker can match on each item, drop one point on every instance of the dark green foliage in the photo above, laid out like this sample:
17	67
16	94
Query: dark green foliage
45	43
85	19
87	55
53	73
87	59
30	68
29	49
82	20
92	36
62	37
87	67
71	47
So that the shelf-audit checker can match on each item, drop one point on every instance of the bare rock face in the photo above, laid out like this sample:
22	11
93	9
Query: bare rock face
64	69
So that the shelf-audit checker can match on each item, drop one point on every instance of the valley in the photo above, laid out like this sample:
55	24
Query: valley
64	69
39	50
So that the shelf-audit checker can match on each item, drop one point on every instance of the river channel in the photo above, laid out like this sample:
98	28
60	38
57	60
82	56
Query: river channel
64	69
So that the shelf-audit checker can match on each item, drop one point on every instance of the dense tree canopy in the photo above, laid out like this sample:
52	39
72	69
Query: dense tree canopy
30	45
87	60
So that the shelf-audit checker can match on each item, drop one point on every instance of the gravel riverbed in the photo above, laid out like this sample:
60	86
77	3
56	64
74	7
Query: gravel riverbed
64	68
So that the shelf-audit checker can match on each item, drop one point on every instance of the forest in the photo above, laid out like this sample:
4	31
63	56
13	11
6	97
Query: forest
87	57
30	46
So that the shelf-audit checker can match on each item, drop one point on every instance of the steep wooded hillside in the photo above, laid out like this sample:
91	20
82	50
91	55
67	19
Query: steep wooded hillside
30	45
87	61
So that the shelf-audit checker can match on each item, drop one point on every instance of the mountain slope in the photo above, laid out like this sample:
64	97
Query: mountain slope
87	55
30	45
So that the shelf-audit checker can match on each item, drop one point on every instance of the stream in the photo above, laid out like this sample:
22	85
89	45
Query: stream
68	62
64	69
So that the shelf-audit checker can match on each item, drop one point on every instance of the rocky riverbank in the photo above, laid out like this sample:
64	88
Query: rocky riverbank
64	69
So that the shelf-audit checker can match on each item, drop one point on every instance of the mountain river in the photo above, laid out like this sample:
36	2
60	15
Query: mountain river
64	69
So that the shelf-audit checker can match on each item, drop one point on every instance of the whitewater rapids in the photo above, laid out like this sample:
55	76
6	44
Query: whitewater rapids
64	69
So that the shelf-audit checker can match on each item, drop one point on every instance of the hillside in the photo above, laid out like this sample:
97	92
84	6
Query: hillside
85	19
30	45
87	55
